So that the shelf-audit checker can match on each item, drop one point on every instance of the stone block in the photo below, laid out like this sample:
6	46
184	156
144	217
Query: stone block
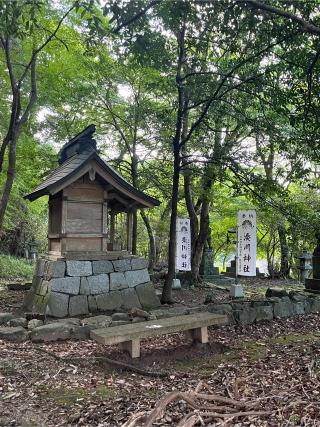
92	304
137	312
78	305
102	267
264	313
5	317
298	307
314	303
79	268
18	321
109	302
55	269
39	303
41	267
297	296
66	285
139	263
34	323
198	309
147	296
70	320
118	281
58	304
283	308
80	332
95	285
137	277
122	264
36	284
220	309
14	334
245	316
130	299
276	292
51	332
97	322
120	316
43	288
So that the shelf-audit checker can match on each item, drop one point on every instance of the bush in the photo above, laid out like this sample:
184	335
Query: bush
13	268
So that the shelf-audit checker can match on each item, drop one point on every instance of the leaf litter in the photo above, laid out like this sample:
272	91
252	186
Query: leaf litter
270	368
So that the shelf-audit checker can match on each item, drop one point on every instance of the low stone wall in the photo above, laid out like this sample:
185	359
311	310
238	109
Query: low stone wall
283	305
73	288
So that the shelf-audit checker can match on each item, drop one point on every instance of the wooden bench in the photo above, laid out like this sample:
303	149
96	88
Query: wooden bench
128	336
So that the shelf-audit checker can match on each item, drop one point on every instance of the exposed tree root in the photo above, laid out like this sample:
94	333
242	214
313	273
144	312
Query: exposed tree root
132	368
202	412
102	359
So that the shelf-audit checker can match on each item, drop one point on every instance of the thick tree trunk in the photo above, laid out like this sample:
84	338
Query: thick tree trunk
201	240
167	288
176	145
284	251
152	242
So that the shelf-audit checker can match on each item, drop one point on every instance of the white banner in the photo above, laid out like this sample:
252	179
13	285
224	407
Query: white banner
183	252
247	243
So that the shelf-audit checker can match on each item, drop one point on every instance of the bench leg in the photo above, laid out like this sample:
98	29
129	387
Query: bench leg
200	334
132	347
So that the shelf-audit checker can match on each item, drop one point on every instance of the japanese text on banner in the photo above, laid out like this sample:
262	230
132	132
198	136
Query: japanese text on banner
247	243
183	252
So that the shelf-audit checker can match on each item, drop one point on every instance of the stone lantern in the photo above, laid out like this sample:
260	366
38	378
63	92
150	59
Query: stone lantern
314	283
304	267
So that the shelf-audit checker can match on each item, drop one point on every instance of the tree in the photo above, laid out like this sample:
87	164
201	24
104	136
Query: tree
21	21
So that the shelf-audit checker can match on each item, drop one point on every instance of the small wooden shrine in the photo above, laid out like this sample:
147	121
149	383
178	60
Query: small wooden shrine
86	198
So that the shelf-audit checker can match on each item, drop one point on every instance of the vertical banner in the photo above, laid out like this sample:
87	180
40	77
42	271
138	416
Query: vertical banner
183	252
247	243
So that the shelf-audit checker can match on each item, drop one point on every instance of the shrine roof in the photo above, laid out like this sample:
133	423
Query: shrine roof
78	164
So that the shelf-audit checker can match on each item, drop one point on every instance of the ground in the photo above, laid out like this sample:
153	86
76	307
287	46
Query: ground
273	365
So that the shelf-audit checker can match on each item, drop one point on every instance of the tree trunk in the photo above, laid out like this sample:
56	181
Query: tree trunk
152	242
201	240
10	177
167	288
284	251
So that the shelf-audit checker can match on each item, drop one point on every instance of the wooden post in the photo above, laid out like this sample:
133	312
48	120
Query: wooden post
112	228
129	231
64	213
104	222
132	347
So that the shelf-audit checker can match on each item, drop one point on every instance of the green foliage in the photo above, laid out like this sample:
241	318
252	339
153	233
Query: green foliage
12	268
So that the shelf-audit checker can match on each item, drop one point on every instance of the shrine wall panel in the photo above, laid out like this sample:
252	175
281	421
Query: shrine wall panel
87	244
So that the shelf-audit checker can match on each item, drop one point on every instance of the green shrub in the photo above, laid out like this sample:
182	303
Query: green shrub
13	268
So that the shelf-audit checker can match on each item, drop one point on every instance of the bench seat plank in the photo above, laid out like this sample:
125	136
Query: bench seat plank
134	331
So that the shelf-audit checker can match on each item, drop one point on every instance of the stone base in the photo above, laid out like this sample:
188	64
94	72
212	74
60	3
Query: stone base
312	284
62	288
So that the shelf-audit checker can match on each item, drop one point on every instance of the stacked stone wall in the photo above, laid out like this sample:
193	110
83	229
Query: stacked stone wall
73	288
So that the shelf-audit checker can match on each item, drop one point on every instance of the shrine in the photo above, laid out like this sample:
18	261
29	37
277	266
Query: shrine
89	266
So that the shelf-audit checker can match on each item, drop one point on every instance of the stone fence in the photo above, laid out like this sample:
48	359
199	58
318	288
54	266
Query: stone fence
278	304
73	288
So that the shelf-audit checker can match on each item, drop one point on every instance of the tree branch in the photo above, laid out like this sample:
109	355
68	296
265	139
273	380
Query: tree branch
136	16
225	78
306	26
32	98
48	40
